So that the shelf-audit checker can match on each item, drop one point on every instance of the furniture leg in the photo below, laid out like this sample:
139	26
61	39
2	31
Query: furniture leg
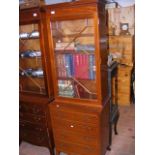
110	137
115	123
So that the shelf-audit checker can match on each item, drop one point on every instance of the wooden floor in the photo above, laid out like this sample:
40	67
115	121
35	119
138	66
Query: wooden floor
122	144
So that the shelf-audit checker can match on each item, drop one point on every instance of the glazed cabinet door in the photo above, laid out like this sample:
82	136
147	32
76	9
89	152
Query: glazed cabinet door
30	61
75	62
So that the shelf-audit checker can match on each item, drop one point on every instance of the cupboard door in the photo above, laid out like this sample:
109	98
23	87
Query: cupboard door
30	62
74	51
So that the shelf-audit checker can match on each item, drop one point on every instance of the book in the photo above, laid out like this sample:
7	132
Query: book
69	65
81	66
87	48
92	71
65	88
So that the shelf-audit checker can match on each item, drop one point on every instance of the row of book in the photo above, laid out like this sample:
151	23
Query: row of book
80	66
66	88
70	88
75	47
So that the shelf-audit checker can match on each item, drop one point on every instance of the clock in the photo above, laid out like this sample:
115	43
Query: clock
124	29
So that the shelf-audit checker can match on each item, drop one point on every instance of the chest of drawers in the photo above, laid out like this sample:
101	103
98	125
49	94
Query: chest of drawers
78	131
34	125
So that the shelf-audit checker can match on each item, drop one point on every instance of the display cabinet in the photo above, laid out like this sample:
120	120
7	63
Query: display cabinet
35	81
78	46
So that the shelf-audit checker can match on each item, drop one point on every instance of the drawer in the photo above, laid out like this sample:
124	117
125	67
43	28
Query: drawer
76	138
125	80
70	148
32	108
32	127
75	127
59	112
123	99
34	137
32	118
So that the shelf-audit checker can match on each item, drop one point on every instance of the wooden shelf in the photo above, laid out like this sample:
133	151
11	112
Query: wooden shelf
72	52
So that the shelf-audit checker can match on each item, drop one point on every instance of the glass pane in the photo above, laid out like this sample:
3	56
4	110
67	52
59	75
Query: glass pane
74	46
30	69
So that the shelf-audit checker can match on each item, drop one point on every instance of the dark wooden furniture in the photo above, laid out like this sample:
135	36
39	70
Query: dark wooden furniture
112	88
35	83
77	34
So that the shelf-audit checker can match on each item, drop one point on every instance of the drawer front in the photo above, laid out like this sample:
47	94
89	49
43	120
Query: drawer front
76	149
32	118
57	111
75	127
32	109
123	99
34	137
33	127
76	138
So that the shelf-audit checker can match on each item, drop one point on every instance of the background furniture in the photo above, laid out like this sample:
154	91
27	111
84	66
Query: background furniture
122	49
114	111
35	80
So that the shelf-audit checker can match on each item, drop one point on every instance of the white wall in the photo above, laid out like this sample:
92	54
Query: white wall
125	3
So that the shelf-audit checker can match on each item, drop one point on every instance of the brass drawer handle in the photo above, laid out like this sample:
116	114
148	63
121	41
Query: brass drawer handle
35	14
72	126
52	12
57	105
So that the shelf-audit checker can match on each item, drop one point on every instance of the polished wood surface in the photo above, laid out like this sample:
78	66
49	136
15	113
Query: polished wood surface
81	126
35	124
77	127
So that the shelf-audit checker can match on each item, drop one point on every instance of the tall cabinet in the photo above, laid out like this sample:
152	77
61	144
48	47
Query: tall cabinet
77	34
35	80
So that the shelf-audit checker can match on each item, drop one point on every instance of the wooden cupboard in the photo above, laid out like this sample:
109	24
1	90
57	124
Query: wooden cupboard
123	93
122	49
35	80
77	35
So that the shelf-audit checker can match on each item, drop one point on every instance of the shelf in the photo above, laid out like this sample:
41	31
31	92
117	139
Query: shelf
37	57
73	35
72	78
42	92
34	77
72	52
29	38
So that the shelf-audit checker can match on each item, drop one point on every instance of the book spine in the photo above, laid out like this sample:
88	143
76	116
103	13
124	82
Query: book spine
94	68
71	65
85	67
91	67
68	65
60	66
76	65
64	71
